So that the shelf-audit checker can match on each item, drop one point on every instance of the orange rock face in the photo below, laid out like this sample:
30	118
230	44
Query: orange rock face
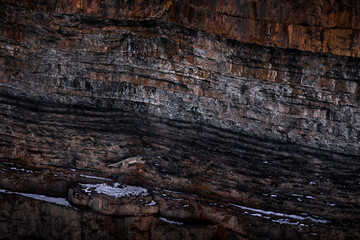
241	118
315	26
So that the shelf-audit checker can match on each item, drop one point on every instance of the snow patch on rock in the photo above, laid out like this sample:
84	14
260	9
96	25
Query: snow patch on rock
93	177
171	222
58	201
152	203
269	213
118	190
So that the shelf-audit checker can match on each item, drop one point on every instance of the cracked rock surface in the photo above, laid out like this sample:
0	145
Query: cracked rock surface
180	119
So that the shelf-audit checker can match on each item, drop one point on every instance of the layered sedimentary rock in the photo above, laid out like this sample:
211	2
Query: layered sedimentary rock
252	105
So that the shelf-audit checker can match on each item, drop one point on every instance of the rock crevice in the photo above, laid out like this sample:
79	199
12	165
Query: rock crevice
253	103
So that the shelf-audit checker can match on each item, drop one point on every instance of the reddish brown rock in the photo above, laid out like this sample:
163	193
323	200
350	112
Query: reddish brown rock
316	26
252	103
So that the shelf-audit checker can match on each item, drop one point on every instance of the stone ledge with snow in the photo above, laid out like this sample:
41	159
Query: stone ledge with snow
114	199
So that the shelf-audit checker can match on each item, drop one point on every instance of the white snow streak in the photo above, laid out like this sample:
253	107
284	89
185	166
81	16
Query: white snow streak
94	177
171	222
285	221
21	169
293	216
58	201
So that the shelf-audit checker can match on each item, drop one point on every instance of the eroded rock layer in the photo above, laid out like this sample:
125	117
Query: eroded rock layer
242	103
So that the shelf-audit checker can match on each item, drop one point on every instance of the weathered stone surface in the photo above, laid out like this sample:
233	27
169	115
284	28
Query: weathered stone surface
200	79
177	213
121	206
26	218
315	26
23	217
255	103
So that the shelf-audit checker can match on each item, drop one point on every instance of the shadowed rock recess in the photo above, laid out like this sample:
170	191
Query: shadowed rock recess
184	119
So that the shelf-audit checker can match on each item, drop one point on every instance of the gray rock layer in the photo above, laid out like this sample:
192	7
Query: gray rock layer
217	117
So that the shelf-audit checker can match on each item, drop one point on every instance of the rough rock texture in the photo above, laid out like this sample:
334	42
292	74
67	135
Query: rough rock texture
254	103
325	26
24	218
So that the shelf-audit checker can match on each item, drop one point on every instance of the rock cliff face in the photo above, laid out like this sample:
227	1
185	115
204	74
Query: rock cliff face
241	119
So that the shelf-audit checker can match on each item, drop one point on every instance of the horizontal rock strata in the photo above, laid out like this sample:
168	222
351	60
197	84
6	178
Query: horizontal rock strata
254	105
316	25
92	211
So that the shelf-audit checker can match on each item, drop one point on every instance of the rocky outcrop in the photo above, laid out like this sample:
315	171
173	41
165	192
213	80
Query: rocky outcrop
254	104
316	26
95	210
